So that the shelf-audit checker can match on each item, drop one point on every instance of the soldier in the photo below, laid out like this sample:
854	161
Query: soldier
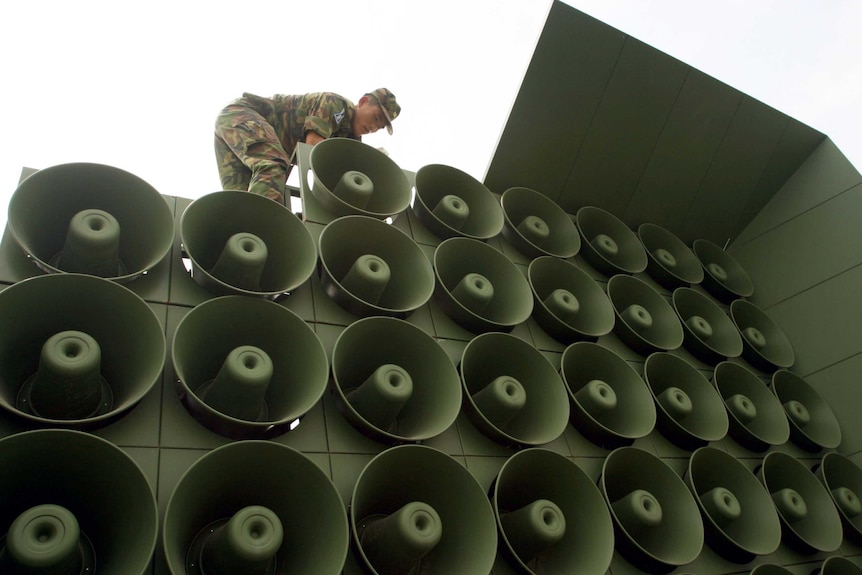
255	137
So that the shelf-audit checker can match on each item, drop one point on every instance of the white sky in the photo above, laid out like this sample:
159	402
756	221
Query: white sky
138	85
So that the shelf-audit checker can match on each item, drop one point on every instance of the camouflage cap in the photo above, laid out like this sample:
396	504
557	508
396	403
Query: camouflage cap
388	104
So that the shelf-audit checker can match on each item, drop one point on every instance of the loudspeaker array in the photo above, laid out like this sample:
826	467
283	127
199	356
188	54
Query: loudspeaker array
417	376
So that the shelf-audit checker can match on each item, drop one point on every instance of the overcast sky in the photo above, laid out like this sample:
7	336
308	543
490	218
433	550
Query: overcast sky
137	85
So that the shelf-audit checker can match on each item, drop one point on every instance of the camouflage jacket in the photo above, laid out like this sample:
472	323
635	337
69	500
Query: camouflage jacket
328	114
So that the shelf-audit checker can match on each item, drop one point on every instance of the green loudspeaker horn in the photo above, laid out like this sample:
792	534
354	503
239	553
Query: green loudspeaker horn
452	203
567	302
656	519
91	219
255	507
764	344
247	367
610	403
739	517
371	268
671	263
417	510
690	411
768	569
710	334
480	288
551	516
645	321
352	178
836	565
513	394
76	350
757	419
608	244
245	244
724	277
71	502
537	226
843	480
813	424
393	381
809	519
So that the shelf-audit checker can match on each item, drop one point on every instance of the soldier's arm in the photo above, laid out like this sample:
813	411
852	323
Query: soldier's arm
312	137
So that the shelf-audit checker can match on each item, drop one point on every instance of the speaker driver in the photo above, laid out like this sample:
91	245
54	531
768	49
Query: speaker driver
352	178
610	404
414	508
536	226
550	515
608	244
451	203
724	277
671	263
91	219
73	502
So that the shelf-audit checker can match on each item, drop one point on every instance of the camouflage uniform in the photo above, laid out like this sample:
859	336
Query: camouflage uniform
255	137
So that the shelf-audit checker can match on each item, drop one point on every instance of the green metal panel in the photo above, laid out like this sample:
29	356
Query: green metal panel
560	93
634	108
687	145
839	386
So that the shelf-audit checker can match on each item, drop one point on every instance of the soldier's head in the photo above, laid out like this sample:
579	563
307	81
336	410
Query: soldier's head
375	110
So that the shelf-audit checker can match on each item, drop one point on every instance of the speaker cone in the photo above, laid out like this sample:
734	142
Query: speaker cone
91	219
394	382
536	226
739	517
690	411
550	515
371	268
416	510
813	424
480	288
843	481
765	346
723	276
76	350
809	519
247	367
610	403
352	178
255	507
710	334
451	203
656	519
645	321
73	502
513	394
608	244
671	263
757	419
567	302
